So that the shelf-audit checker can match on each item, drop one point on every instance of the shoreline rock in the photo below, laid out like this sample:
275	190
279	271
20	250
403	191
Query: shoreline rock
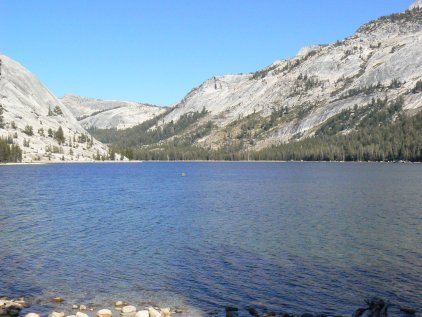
376	307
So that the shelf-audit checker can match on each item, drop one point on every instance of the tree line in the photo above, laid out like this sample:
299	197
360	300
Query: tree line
380	131
9	152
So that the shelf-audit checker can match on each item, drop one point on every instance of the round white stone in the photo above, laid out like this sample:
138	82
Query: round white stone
153	312
128	309
142	313
57	314
80	314
32	315
104	313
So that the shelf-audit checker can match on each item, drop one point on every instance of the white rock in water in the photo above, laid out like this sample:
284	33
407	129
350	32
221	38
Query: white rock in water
13	305
21	302
118	303
104	313
71	316
165	311
74	306
82	307
56	314
153	312
128	309
32	315
142	313
79	314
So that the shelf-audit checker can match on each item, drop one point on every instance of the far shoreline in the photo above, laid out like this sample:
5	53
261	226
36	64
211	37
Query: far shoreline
199	161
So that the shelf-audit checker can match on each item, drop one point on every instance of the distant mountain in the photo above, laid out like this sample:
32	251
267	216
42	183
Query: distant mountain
107	114
291	99
358	98
36	121
368	80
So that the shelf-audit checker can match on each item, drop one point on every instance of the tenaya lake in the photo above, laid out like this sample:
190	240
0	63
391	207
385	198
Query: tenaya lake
287	237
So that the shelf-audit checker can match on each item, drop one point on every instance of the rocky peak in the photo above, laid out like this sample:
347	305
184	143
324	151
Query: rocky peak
416	4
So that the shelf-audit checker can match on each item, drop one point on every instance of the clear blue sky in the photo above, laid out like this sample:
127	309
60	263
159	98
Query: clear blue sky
156	51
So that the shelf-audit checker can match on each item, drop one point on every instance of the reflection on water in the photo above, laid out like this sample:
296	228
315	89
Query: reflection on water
286	236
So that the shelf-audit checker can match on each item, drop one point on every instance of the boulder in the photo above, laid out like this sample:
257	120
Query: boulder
165	312
142	313
104	313
153	312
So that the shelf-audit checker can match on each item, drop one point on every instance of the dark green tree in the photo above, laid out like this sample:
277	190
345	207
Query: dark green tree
59	135
28	130
1	118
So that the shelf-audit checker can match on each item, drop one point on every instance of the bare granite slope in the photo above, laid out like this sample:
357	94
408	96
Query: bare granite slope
33	115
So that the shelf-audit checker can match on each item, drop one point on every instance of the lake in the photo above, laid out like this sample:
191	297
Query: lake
295	237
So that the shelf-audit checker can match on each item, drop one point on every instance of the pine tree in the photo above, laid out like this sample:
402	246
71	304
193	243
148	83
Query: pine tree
59	135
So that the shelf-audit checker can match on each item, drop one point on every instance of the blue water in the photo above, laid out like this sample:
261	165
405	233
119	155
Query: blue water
297	237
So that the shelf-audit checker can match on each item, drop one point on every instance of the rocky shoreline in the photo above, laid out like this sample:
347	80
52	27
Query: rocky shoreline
375	307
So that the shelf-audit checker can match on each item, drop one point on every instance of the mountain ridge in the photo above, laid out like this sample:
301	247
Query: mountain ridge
289	100
106	114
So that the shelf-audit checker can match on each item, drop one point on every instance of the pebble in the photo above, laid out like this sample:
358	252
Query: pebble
104	313
120	303
71	316
231	309
153	312
128	309
408	310
56	314
142	313
32	315
252	311
74	306
13	305
57	299
82	307
80	314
